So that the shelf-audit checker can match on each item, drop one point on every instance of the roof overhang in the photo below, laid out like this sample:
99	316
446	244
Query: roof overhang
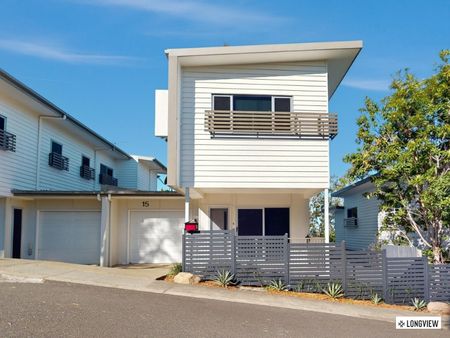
338	55
361	185
152	163
93	193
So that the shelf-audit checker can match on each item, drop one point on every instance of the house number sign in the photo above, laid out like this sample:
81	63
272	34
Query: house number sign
145	204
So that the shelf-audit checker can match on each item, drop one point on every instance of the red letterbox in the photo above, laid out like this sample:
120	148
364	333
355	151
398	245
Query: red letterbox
191	226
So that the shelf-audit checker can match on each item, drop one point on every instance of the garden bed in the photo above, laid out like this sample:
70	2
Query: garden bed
304	295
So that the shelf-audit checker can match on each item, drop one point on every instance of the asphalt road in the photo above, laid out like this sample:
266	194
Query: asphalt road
69	310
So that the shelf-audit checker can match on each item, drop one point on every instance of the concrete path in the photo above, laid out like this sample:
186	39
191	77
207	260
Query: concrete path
144	279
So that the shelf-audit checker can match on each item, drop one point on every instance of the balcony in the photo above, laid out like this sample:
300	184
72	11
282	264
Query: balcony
351	222
7	141
87	172
300	125
58	161
107	180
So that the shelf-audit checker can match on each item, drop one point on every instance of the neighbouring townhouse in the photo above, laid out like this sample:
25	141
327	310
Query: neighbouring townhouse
359	222
248	132
68	194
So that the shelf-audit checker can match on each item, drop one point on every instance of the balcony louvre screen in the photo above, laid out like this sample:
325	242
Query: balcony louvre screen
294	124
87	172
351	222
58	161
7	141
107	180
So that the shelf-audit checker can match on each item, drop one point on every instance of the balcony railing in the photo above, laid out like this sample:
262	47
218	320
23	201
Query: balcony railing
351	222
7	141
87	172
58	161
107	180
283	124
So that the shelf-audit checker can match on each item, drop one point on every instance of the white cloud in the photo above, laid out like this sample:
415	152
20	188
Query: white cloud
375	85
58	53
200	11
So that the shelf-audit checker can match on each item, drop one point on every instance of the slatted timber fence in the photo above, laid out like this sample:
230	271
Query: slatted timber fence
257	260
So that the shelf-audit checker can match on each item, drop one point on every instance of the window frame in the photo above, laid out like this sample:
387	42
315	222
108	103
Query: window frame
88	159
273	98
108	168
211	207
355	209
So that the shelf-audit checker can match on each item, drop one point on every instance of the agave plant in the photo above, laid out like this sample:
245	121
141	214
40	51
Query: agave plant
224	278
419	304
277	285
375	298
334	290
175	269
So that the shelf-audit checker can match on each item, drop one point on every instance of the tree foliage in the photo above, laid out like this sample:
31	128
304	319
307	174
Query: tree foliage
405	142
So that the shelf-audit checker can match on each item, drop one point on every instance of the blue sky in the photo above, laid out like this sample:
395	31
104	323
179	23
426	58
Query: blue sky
101	60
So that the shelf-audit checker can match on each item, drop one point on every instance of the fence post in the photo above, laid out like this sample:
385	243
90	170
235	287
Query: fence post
286	259
344	266
427	279
384	264
183	252
233	252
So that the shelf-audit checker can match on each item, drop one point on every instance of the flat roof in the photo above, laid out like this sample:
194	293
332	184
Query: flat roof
338	54
78	193
27	90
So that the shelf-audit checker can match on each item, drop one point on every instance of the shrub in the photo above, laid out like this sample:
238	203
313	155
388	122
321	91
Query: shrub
419	304
277	285
224	278
334	290
375	298
175	269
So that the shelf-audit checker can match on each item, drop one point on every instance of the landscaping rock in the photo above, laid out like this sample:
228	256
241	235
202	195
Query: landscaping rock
186	278
440	308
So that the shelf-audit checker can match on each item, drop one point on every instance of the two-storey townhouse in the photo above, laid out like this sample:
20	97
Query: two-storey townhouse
68	194
248	132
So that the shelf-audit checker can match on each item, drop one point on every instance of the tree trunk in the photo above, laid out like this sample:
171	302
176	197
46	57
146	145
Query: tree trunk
438	258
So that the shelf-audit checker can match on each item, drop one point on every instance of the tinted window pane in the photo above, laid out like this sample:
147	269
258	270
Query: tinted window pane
2	123
352	213
222	103
252	103
56	148
276	221
282	104
103	169
250	222
85	161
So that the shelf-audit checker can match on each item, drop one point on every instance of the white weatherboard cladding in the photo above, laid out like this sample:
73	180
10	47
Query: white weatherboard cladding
69	236
143	177
362	236
126	173
155	236
18	169
252	163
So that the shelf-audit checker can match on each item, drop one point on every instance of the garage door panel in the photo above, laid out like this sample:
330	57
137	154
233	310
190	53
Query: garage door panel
155	236
72	237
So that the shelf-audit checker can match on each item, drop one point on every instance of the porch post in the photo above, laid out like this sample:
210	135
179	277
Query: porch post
104	230
326	216
187	200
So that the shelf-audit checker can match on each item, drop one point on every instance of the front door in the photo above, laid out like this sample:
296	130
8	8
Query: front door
17	233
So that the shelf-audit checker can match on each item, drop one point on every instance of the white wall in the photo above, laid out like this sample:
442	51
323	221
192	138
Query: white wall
362	236
252	163
2	226
161	112
18	169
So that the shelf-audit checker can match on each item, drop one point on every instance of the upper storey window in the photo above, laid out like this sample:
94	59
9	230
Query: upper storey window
237	115
55	158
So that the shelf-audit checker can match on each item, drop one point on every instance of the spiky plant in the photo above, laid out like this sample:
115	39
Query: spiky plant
375	298
224	278
175	269
334	290
277	285
419	304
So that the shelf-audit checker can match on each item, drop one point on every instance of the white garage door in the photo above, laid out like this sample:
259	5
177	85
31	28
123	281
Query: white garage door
69	236
155	236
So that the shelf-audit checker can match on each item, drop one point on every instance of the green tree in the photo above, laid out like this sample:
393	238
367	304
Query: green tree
317	211
405	142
